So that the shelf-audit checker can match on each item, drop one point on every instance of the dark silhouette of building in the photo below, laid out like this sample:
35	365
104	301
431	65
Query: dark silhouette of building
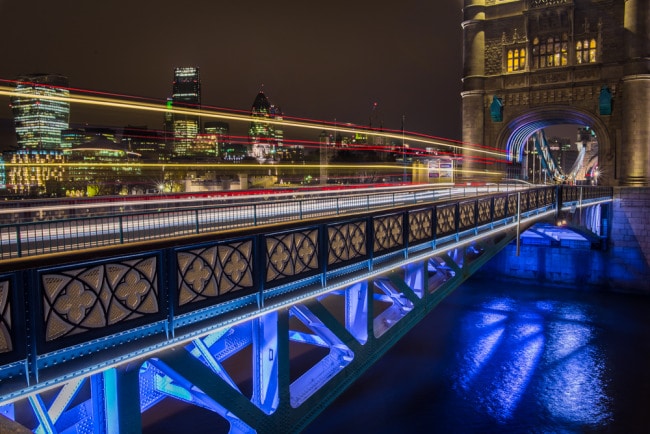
147	143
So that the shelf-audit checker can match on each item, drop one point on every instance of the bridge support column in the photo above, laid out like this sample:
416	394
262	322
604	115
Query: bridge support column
122	400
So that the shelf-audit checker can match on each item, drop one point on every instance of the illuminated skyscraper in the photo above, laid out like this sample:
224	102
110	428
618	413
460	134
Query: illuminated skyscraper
265	138
186	94
221	131
39	120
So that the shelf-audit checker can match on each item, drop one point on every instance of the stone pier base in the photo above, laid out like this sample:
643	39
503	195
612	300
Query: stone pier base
622	266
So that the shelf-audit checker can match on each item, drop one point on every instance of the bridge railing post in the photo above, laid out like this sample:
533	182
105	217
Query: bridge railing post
259	277
19	248
457	217
323	247
405	233
580	205
121	226
370	237
491	211
32	303
518	220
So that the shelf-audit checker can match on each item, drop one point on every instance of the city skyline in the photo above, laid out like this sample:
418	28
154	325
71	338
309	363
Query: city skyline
327	62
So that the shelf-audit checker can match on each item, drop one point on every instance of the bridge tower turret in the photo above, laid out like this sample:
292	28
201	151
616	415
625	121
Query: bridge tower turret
473	93
635	153
531	64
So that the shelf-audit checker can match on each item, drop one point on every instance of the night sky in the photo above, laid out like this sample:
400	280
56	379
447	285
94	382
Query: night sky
320	60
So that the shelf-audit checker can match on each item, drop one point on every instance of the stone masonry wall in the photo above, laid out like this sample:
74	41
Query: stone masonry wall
623	266
629	249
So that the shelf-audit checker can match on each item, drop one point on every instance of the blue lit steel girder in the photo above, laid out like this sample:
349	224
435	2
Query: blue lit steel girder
193	373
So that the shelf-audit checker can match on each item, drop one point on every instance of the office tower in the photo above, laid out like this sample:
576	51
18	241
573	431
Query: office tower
221	131
38	119
186	94
264	137
72	137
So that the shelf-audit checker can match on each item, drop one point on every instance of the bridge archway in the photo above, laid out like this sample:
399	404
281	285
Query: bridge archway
514	135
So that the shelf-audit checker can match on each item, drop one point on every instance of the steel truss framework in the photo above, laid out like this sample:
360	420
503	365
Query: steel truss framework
344	327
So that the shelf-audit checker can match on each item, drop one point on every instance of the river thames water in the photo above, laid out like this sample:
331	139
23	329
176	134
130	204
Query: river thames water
499	358
509	358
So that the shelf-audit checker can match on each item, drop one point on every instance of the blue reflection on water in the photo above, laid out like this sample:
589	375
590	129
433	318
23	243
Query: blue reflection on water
542	349
476	357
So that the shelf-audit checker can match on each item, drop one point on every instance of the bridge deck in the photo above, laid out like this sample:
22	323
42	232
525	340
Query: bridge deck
131	302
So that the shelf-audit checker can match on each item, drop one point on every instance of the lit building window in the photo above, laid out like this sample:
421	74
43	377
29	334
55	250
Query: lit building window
516	60
586	51
551	52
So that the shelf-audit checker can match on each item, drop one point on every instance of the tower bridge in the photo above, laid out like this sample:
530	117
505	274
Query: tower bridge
96	337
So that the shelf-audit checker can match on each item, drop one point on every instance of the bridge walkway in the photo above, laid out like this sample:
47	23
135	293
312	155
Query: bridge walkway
109	333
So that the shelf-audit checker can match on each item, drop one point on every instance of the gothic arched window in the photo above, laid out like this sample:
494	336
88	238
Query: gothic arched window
586	51
552	52
516	60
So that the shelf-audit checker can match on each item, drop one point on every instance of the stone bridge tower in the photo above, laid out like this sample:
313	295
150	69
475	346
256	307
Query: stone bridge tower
529	64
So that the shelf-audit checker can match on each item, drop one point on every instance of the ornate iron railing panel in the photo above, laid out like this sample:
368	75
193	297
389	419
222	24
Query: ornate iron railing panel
346	242
389	232
532	199
214	270
291	254
500	209
467	215
512	205
446	221
570	194
420	226
98	298
6	322
548	196
484	210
